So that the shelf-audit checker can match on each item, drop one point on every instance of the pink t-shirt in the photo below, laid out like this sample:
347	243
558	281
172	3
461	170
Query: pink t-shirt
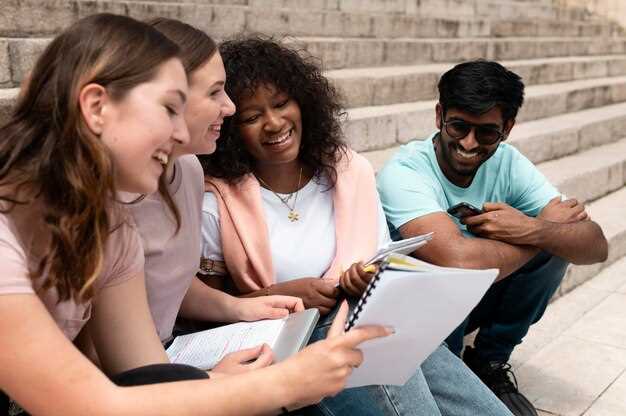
21	248
172	260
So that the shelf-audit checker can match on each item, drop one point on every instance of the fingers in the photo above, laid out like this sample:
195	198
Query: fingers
356	336
572	202
352	282
354	357
337	327
476	219
289	303
327	288
265	358
494	206
583	216
270	312
247	354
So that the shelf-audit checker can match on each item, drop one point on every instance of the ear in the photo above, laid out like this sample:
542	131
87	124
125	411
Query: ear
438	115
508	126
92	99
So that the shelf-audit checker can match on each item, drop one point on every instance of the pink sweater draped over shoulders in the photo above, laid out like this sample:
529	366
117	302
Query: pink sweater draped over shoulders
244	234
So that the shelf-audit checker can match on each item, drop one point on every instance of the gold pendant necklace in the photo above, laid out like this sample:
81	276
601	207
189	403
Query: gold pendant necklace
293	215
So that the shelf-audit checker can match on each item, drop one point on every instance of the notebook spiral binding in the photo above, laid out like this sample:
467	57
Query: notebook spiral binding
354	316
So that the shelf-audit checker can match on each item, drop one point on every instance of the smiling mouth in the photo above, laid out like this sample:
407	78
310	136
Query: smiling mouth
465	155
161	157
279	139
215	128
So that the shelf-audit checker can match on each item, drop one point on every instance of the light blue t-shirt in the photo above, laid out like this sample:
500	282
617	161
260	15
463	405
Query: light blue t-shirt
412	185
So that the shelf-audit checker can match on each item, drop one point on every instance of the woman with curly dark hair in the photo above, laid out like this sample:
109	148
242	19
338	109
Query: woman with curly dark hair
286	145
289	207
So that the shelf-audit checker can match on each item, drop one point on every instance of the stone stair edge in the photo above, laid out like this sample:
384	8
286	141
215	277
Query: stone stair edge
364	87
401	6
224	19
17	54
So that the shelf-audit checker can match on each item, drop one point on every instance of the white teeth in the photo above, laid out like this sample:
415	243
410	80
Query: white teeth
162	157
280	139
467	155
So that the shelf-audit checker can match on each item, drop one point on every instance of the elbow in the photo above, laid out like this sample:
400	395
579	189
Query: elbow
598	252
600	247
602	251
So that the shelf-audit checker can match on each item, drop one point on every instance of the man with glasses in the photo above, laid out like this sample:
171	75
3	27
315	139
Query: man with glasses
523	226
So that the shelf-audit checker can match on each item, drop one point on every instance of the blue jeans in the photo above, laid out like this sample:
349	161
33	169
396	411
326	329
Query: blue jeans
510	307
443	386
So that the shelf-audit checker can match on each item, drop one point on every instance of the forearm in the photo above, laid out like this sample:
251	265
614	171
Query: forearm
482	253
205	303
580	242
259	392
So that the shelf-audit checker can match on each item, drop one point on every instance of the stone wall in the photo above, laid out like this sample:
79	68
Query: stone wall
613	9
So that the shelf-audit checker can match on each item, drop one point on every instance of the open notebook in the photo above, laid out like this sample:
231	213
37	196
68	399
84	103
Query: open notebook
423	303
206	348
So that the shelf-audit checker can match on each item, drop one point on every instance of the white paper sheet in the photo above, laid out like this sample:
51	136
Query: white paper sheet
205	349
424	308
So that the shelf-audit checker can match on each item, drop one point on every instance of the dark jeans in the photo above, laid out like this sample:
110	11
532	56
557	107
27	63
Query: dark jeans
150	374
510	307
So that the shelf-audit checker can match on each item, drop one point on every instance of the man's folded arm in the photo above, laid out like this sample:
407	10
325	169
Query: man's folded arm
450	248
581	242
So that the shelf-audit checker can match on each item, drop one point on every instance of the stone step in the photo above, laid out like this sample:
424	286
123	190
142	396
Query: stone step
26	18
555	137
338	53
379	127
17	55
551	138
400	84
494	9
591	174
7	100
608	212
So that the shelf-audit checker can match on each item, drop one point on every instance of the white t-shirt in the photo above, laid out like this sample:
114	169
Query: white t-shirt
303	248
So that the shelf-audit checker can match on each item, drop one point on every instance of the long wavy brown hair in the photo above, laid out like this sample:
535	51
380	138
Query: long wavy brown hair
48	154
196	48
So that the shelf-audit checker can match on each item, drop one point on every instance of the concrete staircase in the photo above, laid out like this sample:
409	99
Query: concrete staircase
386	57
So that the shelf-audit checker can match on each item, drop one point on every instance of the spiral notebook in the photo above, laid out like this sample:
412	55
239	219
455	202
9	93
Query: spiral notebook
423	303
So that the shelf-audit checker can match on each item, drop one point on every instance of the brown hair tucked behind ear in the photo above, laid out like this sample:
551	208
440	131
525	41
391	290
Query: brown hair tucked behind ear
47	151
196	48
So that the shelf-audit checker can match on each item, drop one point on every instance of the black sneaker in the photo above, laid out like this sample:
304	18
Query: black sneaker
496	376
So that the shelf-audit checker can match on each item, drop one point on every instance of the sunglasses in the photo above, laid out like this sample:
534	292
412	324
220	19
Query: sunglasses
458	129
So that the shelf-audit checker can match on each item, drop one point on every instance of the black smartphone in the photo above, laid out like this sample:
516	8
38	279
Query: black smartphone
464	209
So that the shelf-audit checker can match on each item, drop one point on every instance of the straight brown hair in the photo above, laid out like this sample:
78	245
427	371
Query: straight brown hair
196	48
48	154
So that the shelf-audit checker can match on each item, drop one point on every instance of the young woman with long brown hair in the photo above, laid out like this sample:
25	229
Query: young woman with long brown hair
100	115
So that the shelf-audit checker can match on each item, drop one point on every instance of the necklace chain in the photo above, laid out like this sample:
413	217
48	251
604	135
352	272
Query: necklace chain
293	214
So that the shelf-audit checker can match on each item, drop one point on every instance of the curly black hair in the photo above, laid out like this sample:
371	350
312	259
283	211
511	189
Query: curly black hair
255	61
